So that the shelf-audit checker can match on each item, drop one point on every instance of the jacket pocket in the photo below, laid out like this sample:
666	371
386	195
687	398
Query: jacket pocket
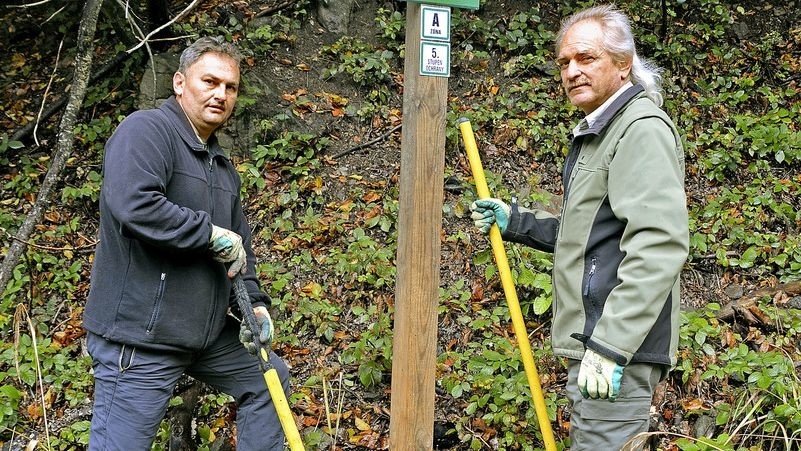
593	305
154	314
589	276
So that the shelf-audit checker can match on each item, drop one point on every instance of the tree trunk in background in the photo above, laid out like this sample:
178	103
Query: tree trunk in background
158	13
180	417
66	135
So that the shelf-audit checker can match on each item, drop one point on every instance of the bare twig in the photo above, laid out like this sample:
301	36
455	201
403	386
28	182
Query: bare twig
21	315
369	143
333	431
174	19
749	300
478	436
137	31
28	5
340	402
274	9
47	91
55	14
325	403
50	248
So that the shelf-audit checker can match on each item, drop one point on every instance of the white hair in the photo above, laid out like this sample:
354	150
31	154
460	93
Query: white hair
618	41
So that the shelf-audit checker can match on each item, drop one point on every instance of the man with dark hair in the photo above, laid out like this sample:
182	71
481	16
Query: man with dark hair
172	235
622	236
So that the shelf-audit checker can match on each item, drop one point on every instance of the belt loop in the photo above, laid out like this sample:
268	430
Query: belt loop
128	364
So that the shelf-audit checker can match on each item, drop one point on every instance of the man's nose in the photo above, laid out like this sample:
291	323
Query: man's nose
221	91
571	70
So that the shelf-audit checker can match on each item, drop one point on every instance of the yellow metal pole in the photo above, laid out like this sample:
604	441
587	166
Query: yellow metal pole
282	406
270	374
499	251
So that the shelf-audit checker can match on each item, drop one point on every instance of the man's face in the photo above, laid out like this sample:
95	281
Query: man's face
589	74
207	91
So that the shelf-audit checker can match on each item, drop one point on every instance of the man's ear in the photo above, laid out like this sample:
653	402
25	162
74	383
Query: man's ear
178	83
625	69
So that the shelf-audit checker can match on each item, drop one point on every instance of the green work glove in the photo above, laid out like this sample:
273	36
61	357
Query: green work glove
265	330
227	248
599	377
490	211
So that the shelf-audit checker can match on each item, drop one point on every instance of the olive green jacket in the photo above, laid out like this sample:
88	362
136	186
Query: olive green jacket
621	239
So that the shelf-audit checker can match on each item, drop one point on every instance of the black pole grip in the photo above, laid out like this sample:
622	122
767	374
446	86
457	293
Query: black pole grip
249	318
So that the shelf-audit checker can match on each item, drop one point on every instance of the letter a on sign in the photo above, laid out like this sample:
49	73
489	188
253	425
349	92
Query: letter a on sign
435	23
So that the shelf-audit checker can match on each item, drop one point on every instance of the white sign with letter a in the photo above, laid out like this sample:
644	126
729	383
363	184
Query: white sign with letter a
435	23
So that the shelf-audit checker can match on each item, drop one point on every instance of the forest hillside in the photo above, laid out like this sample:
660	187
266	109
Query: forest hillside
316	138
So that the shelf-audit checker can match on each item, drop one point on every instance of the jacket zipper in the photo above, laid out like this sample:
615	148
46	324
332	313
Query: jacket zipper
157	303
589	277
209	181
211	213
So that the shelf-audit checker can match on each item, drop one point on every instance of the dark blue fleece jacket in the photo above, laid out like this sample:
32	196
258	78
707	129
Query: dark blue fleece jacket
154	283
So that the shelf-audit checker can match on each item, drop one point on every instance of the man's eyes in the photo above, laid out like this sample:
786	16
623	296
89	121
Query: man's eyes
582	59
210	82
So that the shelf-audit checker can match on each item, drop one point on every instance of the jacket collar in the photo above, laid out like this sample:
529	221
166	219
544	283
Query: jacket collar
611	111
181	124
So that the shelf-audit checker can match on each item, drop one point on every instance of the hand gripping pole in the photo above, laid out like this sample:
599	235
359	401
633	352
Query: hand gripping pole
507	282
270	374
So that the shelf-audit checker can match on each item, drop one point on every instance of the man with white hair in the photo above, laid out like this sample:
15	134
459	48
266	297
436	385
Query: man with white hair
621	238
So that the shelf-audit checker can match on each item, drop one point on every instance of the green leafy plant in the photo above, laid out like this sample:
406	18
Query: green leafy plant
6	143
393	28
367	66
372	351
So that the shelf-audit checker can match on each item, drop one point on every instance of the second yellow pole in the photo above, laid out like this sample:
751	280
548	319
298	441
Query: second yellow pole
499	251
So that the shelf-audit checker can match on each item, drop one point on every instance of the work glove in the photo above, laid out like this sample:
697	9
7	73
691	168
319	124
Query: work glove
227	248
599	377
490	211
265	331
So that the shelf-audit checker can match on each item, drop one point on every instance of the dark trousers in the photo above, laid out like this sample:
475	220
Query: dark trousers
133	388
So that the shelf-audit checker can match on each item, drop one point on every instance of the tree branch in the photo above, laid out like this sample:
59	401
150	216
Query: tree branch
744	304
47	90
66	135
175	19
369	143
274	9
56	106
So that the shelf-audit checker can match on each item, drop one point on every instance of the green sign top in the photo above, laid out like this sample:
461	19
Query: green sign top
467	4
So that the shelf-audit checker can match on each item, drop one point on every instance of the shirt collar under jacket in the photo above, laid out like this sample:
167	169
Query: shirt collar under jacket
183	126
194	129
592	117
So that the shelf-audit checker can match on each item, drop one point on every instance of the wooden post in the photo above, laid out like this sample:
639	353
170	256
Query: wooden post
414	345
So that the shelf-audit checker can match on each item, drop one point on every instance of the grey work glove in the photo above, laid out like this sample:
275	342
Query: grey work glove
265	330
599	377
227	248
490	211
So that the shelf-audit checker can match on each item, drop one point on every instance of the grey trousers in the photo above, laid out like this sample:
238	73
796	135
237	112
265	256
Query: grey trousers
598	424
133	388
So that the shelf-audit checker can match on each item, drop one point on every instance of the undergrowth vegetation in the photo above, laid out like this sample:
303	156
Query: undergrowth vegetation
326	235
